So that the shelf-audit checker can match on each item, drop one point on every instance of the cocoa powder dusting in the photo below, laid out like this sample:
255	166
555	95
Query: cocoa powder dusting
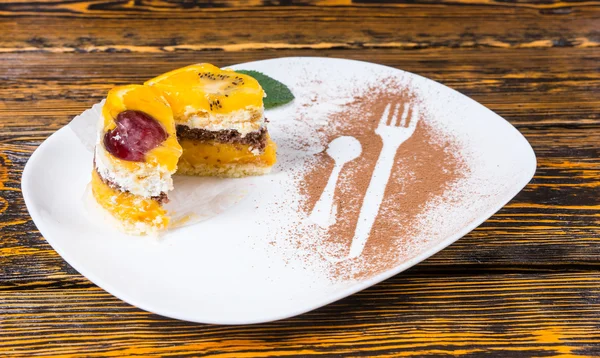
425	166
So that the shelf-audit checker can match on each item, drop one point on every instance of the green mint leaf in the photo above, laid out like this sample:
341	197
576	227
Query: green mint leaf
278	94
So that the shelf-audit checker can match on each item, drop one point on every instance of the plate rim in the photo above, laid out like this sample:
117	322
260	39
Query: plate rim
507	196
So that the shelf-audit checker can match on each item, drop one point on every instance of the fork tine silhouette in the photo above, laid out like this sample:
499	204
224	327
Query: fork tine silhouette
384	116
414	117
404	116
394	116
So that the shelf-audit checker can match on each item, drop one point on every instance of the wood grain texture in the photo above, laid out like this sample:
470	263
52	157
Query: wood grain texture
164	26
525	283
524	315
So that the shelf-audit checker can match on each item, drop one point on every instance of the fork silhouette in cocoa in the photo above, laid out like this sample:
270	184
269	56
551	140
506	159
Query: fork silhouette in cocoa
394	129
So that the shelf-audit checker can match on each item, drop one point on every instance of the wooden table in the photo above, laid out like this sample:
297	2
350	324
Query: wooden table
526	283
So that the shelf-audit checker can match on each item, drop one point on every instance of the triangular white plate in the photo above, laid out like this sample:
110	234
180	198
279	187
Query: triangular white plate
249	264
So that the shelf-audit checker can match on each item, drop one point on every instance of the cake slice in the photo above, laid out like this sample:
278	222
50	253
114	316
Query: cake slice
219	117
197	120
136	153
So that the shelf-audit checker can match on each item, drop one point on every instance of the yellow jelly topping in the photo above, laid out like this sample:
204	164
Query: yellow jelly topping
204	88
152	102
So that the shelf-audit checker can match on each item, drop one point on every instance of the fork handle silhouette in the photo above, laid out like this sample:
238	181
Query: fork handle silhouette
374	195
321	213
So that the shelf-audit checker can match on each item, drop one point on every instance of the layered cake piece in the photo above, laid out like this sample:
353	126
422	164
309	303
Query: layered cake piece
198	120
219	116
136	154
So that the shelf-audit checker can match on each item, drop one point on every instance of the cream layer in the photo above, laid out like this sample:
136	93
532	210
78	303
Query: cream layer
249	119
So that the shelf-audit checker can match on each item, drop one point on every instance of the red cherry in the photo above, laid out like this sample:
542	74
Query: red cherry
135	135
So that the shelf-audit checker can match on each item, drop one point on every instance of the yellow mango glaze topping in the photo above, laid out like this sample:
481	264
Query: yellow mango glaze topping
203	89
151	102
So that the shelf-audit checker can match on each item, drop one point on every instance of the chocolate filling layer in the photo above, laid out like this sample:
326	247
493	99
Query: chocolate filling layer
256	139
162	198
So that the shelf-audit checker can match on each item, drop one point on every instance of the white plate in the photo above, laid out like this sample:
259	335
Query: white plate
243	265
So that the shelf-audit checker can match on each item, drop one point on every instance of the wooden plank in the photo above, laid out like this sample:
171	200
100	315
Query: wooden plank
516	315
82	6
154	27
